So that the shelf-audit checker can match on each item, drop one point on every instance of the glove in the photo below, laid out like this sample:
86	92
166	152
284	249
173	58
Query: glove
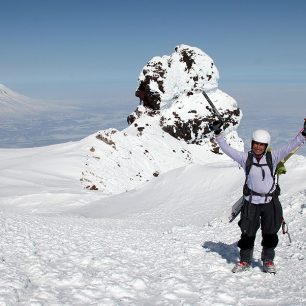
304	130
216	127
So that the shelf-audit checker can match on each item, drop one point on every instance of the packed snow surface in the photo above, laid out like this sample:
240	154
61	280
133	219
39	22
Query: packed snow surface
136	217
162	243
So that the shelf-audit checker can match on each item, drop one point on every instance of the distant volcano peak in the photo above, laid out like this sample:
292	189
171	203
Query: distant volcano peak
13	104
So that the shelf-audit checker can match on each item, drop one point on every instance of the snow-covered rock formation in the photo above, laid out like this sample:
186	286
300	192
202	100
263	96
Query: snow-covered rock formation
171	87
169	128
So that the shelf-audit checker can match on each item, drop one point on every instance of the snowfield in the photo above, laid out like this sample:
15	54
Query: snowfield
135	217
162	243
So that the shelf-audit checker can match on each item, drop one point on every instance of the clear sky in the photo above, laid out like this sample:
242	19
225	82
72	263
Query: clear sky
90	48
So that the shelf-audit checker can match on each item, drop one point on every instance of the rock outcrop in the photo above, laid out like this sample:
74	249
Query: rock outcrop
170	88
168	129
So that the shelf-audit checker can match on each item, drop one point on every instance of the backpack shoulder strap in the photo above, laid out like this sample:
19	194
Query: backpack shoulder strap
270	162
248	163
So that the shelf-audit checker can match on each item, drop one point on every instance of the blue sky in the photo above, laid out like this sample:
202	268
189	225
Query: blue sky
88	46
92	51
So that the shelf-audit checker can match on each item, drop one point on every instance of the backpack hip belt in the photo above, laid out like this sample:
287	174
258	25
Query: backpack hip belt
247	192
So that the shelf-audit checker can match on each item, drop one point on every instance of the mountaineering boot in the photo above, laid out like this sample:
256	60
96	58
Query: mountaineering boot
269	267
241	266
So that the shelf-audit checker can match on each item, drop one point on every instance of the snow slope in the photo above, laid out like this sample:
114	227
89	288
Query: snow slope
133	217
162	243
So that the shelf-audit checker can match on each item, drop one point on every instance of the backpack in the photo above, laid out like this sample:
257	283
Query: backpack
249	163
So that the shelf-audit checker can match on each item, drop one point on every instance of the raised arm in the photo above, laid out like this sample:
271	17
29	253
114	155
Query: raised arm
281	153
238	156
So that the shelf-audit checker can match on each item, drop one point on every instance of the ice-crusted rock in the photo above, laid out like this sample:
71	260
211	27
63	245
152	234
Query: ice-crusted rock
168	129
170	87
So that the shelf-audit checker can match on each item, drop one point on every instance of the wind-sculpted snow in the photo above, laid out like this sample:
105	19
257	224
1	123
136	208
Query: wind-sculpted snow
160	244
75	261
149	232
169	128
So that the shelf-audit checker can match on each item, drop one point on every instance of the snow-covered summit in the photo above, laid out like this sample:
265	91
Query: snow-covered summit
169	128
185	71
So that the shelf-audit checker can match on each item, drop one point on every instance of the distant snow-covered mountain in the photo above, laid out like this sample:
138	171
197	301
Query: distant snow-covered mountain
169	128
15	104
27	122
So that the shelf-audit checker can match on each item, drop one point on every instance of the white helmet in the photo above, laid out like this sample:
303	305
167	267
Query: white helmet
261	136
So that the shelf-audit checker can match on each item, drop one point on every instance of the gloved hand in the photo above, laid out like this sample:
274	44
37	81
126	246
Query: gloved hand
304	130
216	127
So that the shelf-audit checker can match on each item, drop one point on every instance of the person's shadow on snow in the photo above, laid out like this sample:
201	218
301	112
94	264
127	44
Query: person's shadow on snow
227	251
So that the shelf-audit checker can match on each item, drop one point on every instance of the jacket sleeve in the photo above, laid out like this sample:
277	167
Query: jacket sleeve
238	156
281	153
